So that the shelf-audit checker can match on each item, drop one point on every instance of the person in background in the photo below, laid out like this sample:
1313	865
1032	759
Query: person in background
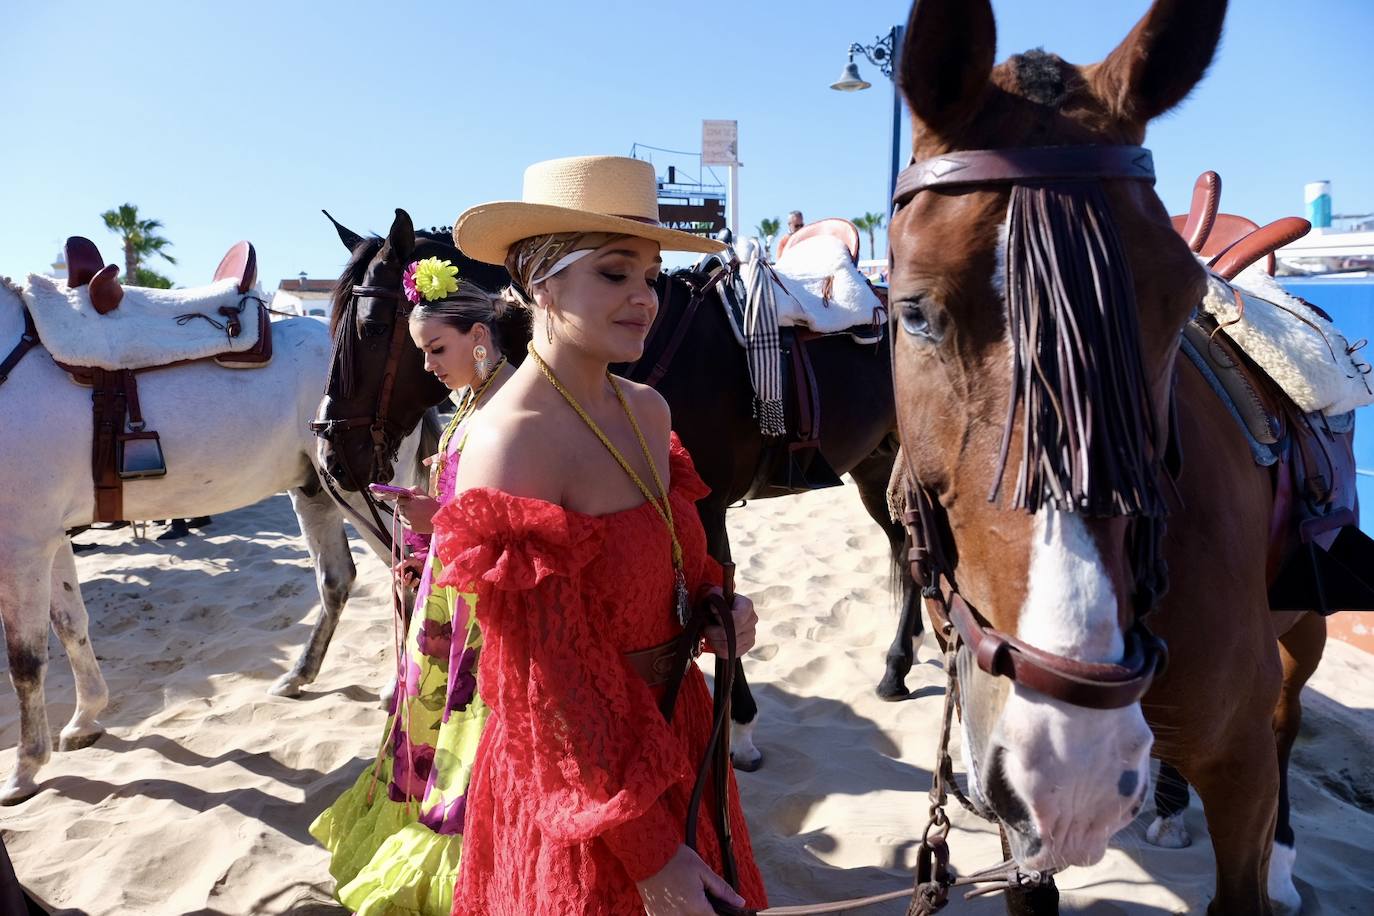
794	221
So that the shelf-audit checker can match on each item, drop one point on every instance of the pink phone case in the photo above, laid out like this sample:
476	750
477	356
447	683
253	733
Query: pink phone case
388	488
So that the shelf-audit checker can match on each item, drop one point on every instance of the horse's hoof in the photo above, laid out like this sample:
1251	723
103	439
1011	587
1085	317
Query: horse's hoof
892	690
17	791
1283	894
76	739
747	762
387	698
1169	833
288	685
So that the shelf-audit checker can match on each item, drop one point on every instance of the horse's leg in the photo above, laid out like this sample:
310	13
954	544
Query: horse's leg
71	622
1171	799
25	593
1239	789
872	475
743	710
1301	650
322	525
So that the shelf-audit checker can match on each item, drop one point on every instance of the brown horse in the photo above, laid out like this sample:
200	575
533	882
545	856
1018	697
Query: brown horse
1045	454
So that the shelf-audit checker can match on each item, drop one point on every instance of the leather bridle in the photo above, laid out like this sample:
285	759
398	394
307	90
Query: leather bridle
341	367
933	559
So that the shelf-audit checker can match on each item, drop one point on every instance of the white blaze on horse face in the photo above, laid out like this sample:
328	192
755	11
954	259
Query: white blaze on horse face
1081	773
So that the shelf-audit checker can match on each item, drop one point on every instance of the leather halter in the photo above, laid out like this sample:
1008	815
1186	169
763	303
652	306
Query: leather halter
377	421
932	558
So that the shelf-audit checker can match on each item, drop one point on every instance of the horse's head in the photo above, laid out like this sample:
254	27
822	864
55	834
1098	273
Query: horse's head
1037	300
378	387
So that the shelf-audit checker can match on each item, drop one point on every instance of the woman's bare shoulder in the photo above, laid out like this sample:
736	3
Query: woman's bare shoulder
651	409
510	453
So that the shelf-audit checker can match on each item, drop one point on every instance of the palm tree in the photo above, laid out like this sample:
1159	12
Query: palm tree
140	239
870	223
768	230
151	279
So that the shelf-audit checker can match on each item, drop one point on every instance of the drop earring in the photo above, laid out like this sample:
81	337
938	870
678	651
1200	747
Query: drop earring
479	357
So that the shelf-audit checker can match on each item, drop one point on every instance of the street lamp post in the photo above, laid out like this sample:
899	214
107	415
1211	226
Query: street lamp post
883	55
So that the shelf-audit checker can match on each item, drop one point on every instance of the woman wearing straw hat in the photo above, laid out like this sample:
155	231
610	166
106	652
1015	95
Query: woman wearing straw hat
575	537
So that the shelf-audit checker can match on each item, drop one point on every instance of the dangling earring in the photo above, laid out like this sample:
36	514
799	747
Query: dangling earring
548	325
479	356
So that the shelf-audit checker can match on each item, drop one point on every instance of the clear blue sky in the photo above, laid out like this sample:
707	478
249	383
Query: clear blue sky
241	120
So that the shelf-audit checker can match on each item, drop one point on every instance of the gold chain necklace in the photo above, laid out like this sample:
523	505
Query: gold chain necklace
466	408
660	502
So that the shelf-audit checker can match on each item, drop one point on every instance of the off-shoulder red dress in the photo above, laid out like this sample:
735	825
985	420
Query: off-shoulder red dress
580	787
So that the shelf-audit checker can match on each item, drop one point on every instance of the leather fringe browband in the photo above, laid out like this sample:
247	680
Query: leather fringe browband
1088	441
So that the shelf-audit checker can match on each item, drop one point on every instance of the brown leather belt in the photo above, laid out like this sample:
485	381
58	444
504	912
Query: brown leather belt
654	664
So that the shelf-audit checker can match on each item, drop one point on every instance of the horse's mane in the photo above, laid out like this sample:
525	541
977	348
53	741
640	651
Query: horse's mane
353	274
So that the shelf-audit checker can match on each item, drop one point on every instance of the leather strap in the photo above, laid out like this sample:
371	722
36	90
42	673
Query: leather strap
1086	684
130	383
654	664
715	759
808	394
680	328
27	341
1037	163
109	399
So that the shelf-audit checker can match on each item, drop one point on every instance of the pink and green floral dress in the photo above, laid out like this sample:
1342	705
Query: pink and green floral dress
396	836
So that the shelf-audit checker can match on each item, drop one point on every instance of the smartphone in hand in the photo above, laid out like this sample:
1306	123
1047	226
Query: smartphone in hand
384	489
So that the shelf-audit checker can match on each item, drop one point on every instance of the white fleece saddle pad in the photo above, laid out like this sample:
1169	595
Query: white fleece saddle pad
1306	355
821	288
149	328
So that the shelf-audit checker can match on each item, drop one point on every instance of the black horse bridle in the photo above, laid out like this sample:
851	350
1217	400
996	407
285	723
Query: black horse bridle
341	362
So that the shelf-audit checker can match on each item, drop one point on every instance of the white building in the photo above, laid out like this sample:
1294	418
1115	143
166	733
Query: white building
303	296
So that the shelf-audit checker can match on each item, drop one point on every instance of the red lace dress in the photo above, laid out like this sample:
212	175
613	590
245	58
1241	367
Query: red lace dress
580	787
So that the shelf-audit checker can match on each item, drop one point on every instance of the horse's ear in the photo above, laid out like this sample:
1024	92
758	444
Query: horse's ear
946	60
1162	59
350	239
400	239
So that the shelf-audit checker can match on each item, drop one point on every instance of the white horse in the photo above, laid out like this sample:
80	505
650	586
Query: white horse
232	438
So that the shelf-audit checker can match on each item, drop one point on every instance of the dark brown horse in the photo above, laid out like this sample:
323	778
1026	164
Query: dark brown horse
706	384
1038	299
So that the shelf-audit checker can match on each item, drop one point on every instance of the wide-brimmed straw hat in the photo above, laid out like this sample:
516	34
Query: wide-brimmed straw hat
575	194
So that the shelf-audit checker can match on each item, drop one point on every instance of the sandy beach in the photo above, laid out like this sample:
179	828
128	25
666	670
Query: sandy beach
198	798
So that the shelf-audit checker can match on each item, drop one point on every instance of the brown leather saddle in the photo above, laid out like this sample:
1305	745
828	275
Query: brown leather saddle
1318	559
123	447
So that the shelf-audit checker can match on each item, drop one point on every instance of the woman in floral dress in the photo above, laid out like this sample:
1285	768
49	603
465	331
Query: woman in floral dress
396	836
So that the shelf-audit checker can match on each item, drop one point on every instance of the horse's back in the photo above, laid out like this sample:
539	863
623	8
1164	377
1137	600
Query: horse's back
230	436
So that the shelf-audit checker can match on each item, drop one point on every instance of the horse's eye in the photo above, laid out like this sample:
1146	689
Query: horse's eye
374	328
914	319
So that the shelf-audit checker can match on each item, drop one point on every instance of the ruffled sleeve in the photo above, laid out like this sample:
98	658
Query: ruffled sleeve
685	488
598	752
